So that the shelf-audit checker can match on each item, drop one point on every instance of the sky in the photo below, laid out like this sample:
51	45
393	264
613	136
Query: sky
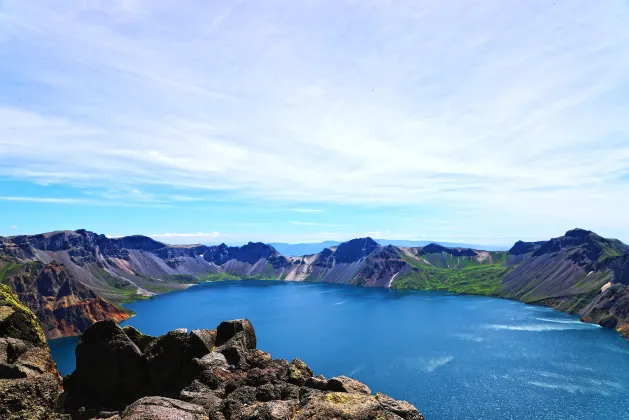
301	121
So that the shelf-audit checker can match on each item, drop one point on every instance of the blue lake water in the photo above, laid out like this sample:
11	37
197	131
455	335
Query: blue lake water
454	357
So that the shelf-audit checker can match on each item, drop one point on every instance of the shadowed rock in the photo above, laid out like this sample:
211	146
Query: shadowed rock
139	339
110	370
219	376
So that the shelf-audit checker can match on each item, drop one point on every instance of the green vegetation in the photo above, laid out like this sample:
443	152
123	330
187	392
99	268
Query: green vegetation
23	326
182	279
479	280
219	277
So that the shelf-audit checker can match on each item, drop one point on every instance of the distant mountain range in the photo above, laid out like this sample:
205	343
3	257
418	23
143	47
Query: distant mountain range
295	250
70	279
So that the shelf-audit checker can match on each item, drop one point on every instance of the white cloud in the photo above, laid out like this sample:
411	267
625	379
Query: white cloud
515	111
187	235
298	223
44	200
307	210
13	227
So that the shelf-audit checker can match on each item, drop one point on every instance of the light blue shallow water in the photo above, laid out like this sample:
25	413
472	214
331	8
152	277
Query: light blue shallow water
454	357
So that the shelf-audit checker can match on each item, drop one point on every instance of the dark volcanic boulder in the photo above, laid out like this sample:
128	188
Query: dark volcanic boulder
165	357
298	372
139	339
157	408
218	375
345	384
168	357
228	329
110	370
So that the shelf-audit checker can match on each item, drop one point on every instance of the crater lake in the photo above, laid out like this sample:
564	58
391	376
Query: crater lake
454	357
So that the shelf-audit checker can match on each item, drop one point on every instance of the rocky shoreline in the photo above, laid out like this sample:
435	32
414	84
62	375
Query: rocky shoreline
122	374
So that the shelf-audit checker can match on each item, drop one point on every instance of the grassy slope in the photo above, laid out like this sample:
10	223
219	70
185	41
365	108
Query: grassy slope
483	279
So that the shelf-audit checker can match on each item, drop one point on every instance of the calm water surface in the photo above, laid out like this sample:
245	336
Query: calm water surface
454	357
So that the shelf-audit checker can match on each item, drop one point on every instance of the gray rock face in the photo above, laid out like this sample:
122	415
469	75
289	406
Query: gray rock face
219	375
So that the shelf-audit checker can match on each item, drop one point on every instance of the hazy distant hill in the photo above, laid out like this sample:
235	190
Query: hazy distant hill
67	277
295	250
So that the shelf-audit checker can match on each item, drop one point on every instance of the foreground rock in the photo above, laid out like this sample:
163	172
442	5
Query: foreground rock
208	374
29	381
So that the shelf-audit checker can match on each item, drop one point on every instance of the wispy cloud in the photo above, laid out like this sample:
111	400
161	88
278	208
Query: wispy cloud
45	200
186	235
107	201
514	112
298	223
307	210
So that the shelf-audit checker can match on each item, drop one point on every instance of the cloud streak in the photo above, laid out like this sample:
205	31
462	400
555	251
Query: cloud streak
517	112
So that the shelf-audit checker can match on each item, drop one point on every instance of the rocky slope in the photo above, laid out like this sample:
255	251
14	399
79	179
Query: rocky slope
29	382
62	305
567	272
580	272
209	374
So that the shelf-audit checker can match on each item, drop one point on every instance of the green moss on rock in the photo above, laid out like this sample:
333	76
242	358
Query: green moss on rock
17	321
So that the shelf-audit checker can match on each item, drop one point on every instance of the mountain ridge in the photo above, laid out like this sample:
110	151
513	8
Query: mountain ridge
567	272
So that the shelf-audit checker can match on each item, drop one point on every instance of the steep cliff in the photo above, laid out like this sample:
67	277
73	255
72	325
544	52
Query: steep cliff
62	305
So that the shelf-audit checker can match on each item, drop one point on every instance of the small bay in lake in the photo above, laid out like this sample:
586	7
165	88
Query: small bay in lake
454	357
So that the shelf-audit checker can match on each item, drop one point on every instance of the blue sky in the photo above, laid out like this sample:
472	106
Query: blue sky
212	121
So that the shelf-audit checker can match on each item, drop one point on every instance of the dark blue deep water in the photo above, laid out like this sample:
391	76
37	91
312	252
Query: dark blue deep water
454	357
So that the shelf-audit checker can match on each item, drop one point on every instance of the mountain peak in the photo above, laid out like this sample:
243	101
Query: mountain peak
355	249
578	233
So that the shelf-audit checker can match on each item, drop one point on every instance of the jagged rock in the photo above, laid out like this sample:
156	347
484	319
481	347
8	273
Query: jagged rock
235	350
165	357
345	384
270	410
298	372
233	382
29	381
29	398
16	321
229	329
269	392
341	405
317	382
258	359
202	341
139	339
403	409
110	370
158	408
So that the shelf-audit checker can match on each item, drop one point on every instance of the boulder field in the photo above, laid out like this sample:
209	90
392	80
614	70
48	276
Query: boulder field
122	374
208	374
